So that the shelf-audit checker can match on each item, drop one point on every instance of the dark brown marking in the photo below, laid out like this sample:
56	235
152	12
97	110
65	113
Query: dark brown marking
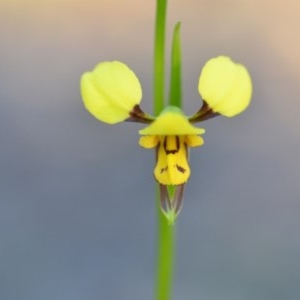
137	115
180	169
171	151
163	169
204	113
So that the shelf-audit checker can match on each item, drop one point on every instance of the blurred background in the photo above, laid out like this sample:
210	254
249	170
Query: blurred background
77	209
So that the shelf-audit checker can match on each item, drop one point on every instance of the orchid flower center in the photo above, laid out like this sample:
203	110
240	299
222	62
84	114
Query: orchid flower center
171	134
172	167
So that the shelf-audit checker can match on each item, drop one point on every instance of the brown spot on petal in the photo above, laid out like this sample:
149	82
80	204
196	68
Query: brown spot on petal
180	169
163	169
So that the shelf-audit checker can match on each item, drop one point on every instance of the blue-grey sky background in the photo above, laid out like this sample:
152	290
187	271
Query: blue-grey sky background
77	208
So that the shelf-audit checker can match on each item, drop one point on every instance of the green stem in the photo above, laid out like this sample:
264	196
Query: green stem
159	56
166	237
175	95
165	241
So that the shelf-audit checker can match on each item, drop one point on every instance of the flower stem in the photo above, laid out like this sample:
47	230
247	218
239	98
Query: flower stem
164	275
166	237
159	56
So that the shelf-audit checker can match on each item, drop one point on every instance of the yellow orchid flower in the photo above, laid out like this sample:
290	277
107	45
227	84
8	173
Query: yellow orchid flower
171	134
112	93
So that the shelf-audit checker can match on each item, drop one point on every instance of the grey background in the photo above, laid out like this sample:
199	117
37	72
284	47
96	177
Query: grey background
77	211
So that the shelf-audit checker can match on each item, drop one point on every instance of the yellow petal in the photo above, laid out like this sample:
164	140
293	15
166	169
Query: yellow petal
148	141
110	91
171	122
225	86
172	165
194	140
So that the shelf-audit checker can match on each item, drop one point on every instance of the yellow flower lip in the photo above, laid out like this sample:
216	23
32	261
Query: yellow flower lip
225	86
171	121
110	91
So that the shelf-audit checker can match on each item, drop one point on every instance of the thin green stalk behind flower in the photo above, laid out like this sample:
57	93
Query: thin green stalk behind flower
159	57
175	95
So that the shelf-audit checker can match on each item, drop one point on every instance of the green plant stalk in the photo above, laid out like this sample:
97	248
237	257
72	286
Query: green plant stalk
165	259
159	56
175	93
165	242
